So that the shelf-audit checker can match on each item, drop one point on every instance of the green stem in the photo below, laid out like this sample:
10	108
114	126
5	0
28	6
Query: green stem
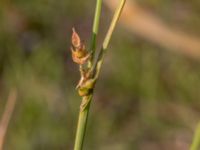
196	141
83	114
82	122
95	30
108	37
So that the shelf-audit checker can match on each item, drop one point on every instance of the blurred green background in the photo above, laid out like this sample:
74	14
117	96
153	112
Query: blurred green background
147	97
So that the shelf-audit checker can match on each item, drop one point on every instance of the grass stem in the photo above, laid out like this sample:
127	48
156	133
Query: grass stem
83	114
82	123
196	141
95	30
108	37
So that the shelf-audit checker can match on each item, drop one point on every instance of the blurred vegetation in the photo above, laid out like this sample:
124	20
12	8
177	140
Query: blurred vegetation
146	99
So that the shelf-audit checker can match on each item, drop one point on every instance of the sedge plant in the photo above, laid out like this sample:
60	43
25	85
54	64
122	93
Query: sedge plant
90	67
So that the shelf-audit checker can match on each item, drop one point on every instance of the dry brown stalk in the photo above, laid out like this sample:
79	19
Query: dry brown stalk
143	23
9	108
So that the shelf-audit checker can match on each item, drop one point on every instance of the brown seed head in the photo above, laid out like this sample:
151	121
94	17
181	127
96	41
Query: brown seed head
76	42
79	57
79	54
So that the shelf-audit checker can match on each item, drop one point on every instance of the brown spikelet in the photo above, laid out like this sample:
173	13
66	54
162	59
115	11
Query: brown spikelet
80	60
76	41
79	53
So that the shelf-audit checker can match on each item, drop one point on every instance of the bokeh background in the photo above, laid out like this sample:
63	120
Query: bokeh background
147	98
